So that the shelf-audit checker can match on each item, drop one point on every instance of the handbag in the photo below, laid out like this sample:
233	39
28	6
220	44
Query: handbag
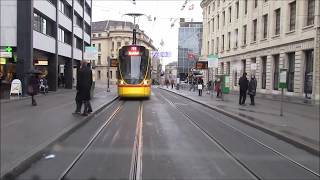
199	86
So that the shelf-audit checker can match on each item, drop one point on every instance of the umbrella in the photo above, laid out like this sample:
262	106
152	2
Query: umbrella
34	71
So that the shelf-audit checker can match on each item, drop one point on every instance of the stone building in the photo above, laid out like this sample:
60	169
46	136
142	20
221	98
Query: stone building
262	36
109	36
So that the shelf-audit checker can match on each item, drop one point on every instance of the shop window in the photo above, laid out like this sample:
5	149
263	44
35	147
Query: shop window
308	80
42	24
263	72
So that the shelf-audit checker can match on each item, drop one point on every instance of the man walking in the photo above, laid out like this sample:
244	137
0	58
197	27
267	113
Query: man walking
84	83
243	83
252	89
200	86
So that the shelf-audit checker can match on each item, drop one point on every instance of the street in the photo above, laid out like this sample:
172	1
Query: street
170	137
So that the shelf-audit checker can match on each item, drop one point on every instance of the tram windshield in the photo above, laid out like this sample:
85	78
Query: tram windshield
133	64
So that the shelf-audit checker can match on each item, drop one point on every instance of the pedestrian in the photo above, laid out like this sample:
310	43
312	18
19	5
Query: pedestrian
217	88
167	82
172	83
33	88
200	86
252	89
84	83
243	83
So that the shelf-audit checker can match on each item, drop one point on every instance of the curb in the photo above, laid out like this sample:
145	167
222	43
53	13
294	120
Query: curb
23	164
279	135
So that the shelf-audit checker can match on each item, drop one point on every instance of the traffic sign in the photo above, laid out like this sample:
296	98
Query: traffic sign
160	54
91	53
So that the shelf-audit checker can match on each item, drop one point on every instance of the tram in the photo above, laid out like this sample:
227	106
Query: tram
134	67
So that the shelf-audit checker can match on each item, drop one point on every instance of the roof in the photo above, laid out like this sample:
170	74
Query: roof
105	25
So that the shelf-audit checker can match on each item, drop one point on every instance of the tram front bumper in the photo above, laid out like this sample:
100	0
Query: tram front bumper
135	91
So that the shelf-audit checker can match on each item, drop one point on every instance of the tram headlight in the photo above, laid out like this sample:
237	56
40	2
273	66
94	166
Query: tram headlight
121	82
145	82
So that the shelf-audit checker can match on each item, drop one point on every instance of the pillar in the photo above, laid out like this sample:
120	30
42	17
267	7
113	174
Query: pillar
53	72
68	73
269	77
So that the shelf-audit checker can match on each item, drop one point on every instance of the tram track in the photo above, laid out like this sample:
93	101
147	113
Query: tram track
93	138
249	137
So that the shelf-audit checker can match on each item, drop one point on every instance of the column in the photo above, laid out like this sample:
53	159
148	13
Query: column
299	72
68	73
258	72
53	72
269	77
24	41
316	60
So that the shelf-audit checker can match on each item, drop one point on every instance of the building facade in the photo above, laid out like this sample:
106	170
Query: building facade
49	35
171	72
109	36
262	36
189	46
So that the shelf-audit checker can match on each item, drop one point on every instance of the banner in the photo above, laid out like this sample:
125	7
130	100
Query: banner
91	53
212	61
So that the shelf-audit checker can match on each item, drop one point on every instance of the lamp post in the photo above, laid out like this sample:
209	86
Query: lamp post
108	73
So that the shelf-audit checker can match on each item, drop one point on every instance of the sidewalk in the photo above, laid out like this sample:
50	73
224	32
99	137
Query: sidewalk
26	130
300	123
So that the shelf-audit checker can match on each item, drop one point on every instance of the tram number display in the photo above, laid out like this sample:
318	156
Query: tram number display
134	51
113	63
202	65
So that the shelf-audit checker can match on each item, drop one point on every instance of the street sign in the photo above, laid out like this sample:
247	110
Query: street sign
283	78
160	54
91	53
113	63
5	54
212	61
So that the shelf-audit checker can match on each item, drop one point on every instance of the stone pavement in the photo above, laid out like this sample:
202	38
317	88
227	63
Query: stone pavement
26	129
300	122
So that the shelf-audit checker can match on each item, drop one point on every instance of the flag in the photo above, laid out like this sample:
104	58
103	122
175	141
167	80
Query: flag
191	7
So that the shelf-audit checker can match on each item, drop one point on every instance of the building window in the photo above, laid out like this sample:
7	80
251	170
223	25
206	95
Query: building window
99	35
217	47
218	3
60	35
237	10
244	34
213	6
78	20
244	66
87	9
235	82
99	47
93	35
265	26
277	22
310	15
290	77
86	28
230	14
292	24
78	42
209	10
118	45
99	75
236	38
254	30
308	76
276	72
245	7
213	25
218	20
263	72
228	68
126	43
255	3
229	40
212	43
222	68
110	74
99	60
42	25
112	46
223	18
222	47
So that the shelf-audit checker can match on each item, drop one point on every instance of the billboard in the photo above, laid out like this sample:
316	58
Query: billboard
90	53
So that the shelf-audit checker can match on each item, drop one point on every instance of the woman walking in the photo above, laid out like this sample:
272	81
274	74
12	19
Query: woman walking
252	89
33	88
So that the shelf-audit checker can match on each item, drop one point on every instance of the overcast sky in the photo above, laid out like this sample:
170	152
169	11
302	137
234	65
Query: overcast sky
164	12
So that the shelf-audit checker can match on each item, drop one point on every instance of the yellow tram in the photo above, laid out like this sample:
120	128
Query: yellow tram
134	78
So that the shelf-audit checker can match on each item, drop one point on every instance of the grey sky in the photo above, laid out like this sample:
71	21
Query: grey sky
165	12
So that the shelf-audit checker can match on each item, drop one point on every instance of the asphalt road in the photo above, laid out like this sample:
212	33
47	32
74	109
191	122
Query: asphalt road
170	137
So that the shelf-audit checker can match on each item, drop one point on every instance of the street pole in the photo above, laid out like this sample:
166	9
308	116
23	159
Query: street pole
108	68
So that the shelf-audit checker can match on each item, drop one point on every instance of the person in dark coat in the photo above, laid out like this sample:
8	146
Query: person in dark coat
84	83
243	83
252	89
200	86
218	88
33	88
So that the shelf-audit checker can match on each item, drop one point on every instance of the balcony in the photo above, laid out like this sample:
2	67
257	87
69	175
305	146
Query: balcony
46	8
87	38
65	22
77	54
78	8
77	31
44	42
87	18
64	49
